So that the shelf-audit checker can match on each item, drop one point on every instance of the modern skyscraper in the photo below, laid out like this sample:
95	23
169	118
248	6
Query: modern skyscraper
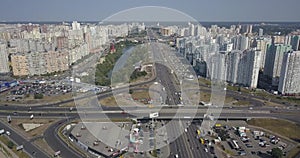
273	62
289	82
3	58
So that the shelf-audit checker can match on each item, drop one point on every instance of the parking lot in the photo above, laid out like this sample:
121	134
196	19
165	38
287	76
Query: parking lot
27	89
244	141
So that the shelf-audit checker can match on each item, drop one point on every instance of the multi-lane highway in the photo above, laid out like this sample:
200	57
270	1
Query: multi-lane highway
29	147
166	79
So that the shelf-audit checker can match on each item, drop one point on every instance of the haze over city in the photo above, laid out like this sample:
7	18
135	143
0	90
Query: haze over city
97	10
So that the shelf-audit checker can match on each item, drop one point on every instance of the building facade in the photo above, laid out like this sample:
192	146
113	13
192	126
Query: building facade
273	62
289	82
4	68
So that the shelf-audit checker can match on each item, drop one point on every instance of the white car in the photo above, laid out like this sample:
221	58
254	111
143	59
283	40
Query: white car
8	133
176	156
206	150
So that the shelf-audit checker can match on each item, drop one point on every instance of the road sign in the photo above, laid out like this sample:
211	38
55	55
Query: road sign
153	115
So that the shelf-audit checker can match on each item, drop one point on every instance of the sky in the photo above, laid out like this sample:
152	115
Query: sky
201	10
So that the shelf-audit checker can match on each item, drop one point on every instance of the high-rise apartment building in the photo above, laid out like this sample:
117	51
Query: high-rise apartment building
249	68
289	82
295	41
273	62
4	68
38	63
232	64
260	32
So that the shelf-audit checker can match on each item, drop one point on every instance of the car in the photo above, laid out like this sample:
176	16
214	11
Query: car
176	156
57	153
242	153
249	146
205	149
8	133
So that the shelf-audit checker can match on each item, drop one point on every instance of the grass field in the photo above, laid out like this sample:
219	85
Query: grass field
111	101
241	103
108	101
294	152
204	81
206	98
140	95
282	127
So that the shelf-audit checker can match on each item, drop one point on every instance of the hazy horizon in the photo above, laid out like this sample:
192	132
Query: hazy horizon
97	10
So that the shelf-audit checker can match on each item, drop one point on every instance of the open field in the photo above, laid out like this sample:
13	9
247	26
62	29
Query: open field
241	103
108	101
206	98
140	95
293	153
204	81
282	127
137	95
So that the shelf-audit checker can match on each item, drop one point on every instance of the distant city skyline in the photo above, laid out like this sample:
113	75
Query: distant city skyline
97	10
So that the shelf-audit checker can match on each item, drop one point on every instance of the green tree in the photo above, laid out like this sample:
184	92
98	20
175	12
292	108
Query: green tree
276	153
38	96
10	144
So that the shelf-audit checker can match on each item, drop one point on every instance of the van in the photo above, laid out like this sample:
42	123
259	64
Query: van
20	147
2	131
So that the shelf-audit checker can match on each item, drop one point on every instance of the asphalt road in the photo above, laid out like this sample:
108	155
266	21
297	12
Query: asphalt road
165	78
29	147
56	144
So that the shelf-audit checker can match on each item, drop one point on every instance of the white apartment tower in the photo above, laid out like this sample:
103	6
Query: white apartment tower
3	59
289	82
273	62
249	68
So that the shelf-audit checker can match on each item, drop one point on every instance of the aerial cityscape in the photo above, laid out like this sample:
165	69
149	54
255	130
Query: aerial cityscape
150	79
